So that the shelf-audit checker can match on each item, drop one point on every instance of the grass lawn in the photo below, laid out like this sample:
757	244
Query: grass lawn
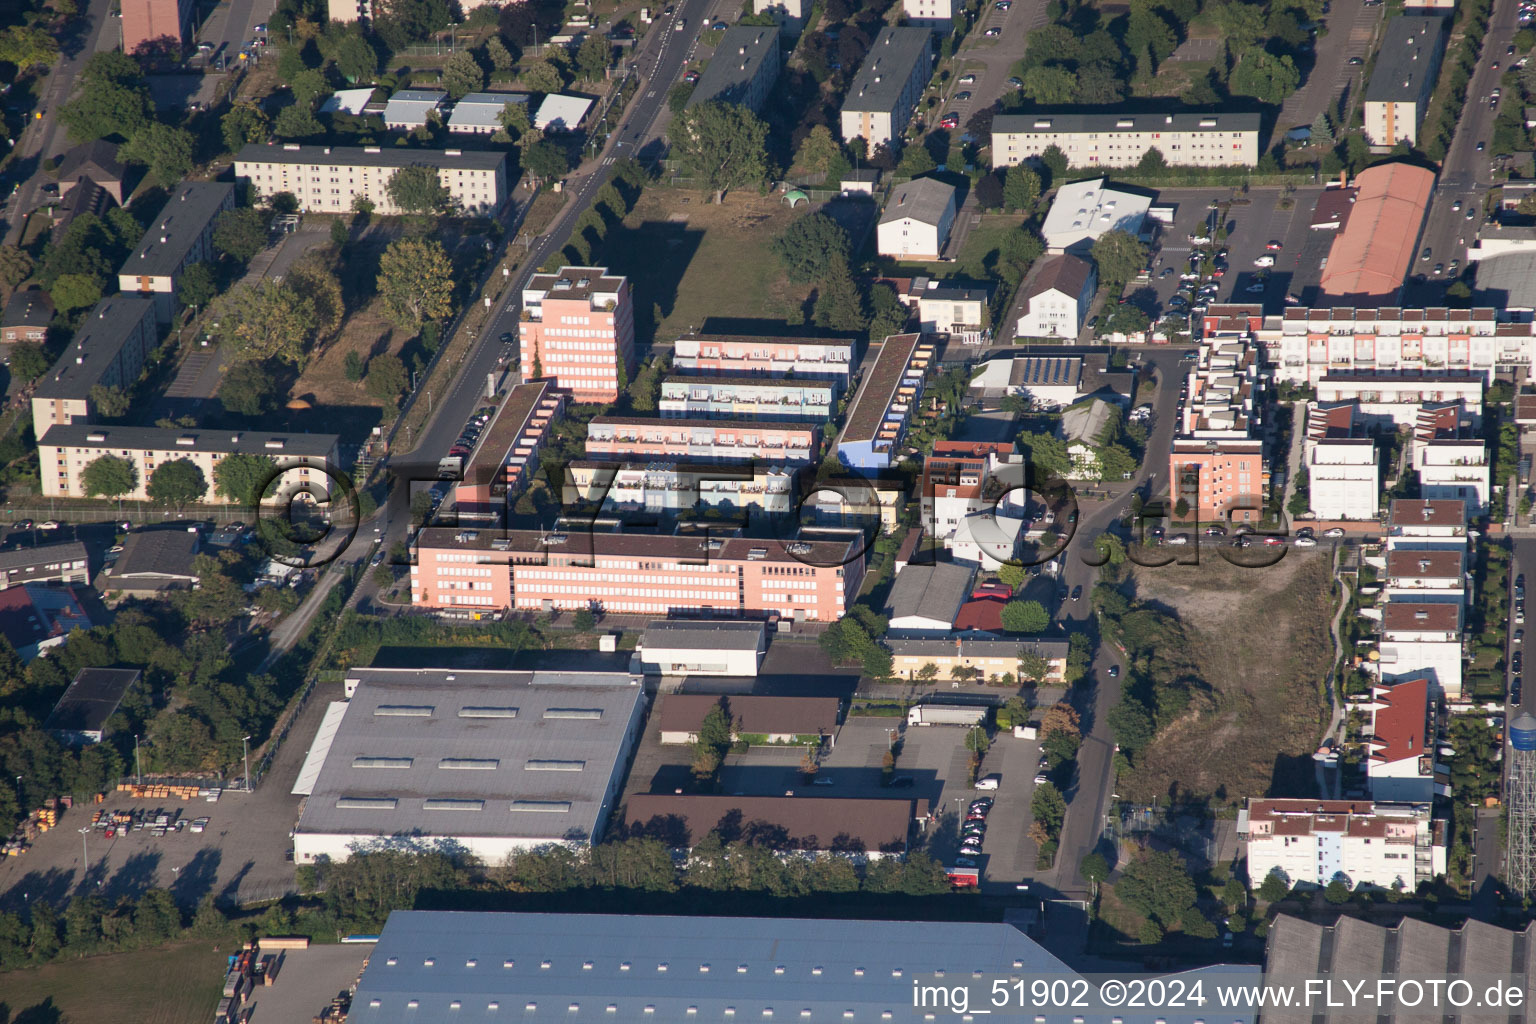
691	261
1174	77
168	985
977	257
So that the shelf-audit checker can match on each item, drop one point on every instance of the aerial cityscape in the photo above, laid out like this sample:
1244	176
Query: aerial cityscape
857	510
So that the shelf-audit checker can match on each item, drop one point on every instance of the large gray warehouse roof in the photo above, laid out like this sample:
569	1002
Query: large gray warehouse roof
887	67
606	967
505	754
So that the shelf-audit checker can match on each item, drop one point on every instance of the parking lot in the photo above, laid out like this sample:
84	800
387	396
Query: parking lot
1252	222
308	980
242	856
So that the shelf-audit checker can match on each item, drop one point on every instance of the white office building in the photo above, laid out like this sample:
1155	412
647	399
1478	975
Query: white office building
1357	842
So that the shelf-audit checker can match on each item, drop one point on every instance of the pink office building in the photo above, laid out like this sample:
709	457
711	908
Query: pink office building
147	20
476	571
638	437
578	329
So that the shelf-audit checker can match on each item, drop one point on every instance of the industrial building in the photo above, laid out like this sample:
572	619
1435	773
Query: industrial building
483	762
925	598
81	715
1370	256
703	647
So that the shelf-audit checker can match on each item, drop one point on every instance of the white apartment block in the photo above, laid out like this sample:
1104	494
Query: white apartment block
1425	575
1391	399
1357	842
326	179
659	487
64	452
1121	140
1306	345
1455	468
1344	478
883	94
934	14
1422	638
1400	740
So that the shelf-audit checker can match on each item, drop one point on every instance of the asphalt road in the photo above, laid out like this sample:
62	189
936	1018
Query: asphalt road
1467	174
1088	796
44	137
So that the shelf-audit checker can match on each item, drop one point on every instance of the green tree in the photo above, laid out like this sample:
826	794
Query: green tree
1127	319
354	367
110	400
500	57
166	151
514	118
26	45
249	389
545	162
1336	893
308	87
1322	131
15	265
242	478
387	379
678	97
839	306
723	145
1265	77
1047	452
75	291
1048	809
584	621
462	75
1025	617
1050	86
1021	189
1094	868
112	99
1157	885
1054	160
109	477
542	76
357	60
1273	889
916	161
197	286
1131	724
415	281
240	234
819	151
593	57
1119	255
28	361
418	189
811	246
267	320
888	315
177	483
297	122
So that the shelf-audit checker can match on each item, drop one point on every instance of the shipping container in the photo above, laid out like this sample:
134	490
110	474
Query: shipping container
946	714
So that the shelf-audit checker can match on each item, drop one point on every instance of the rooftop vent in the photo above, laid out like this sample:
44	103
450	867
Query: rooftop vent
472	764
542	806
403	711
554	766
445	804
382	762
96	436
186	440
487	711
587	714
365	803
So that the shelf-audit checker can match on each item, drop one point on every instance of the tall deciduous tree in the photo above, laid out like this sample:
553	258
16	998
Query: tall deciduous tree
1021	189
497	53
724	145
543	76
819	151
462	75
1025	617
112	99
110	400
386	378
415	281
1157	884
244	123
357	60
1050	86
26	45
267	320
418	189
177	483
240	234
312	279
74	291
15	265
594	56
109	477
165	150
242	477
1118	255
810	246
544	161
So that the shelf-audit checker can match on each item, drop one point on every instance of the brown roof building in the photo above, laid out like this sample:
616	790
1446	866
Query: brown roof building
780	719
1370	257
864	827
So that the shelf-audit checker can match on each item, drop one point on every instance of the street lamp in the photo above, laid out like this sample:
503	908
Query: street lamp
138	767
245	742
85	859
21	803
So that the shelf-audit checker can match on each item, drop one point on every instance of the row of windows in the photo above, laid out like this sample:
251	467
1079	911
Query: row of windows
606	346
712	595
456	571
627	578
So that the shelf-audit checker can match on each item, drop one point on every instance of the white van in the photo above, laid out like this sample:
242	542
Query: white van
989	781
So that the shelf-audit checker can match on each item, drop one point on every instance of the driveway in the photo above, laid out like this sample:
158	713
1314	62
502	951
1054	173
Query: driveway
1352	32
992	59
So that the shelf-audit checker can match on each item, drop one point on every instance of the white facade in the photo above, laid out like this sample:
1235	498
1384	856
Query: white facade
1084	210
986	540
1343	478
1055	314
1438	659
883	94
326	179
1305	345
1121	140
1454	469
917	220
935	14
1392	400
1311	842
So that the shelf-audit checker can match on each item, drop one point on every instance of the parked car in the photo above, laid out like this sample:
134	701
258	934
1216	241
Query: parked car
1274	245
1305	542
962	96
1334	531
967	79
1354	62
1114	671
1264	261
993	32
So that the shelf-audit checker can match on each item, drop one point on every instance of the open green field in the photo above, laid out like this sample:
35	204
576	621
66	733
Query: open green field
978	255
170	985
691	261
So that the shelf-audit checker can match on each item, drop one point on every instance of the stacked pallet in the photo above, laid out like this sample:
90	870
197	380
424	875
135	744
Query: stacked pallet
336	1013
158	792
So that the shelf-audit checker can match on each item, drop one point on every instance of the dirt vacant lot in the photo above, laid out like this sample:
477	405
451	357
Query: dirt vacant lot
1260	639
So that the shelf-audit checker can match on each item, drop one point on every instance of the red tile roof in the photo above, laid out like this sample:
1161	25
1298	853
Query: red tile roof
1401	721
1429	616
985	614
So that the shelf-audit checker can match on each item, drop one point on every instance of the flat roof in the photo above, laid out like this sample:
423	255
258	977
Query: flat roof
91	699
732	426
878	389
767	339
887	67
180	226
1407	55
738	57
408	105
191	439
370	156
1046	122
703	635
757	383
574	283
805	716
684	547
511	419
924	200
806	823
1092	208
95	347
561	113
551	962
973	646
433	752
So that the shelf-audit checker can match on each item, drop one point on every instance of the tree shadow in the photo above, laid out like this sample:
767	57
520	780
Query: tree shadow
232	887
52	885
197	878
40	1013
135	876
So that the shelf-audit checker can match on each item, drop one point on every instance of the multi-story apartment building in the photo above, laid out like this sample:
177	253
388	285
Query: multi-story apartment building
938	15
1419	576
887	397
1357	842
1343	474
700	574
1121	140
743	70
963	478
1422	638
883	94
146	21
1389	400
637	437
507	455
1450	458
326	179
1221	479
748	397
181	235
662	487
730	355
1421	524
1217	464
958	310
1407	66
48	563
1056	298
65	450
1303	345
107	351
1400	737
578	329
